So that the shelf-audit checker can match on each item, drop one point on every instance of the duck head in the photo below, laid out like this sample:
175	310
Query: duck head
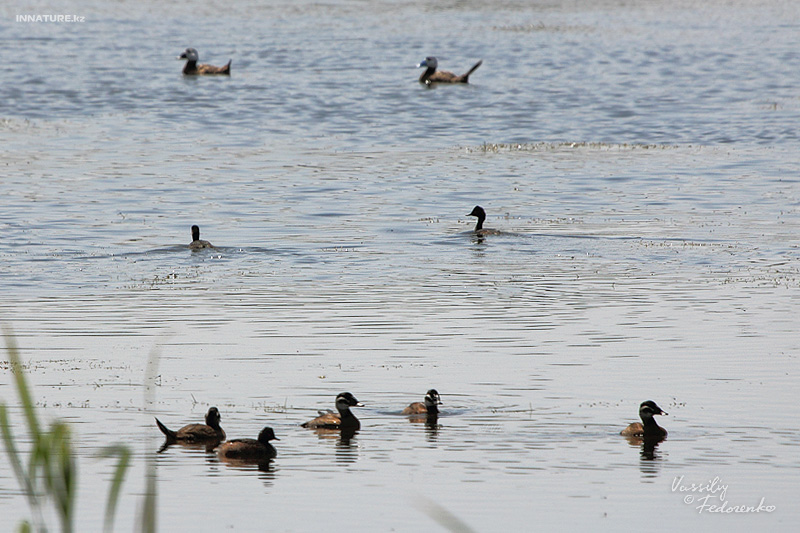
648	409
190	54
429	62
267	435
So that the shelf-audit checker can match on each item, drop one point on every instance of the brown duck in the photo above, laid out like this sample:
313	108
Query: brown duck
196	433
431	75
430	407
648	429
197	243
250	449
193	69
345	420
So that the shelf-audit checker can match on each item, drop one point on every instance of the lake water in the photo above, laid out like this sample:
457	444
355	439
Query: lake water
640	159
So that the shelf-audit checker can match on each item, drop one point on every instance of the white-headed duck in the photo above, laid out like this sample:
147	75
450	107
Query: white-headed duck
191	68
250	449
196	433
345	419
648	429
431	75
430	407
478	211
197	243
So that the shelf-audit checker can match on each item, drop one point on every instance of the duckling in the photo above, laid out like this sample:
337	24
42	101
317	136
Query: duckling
192	68
196	243
478	211
431	75
430	407
648	428
250	449
344	420
210	431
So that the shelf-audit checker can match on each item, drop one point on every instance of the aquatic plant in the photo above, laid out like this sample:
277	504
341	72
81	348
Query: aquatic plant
51	470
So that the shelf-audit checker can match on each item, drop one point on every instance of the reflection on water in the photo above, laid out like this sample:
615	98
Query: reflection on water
648	205
264	466
647	447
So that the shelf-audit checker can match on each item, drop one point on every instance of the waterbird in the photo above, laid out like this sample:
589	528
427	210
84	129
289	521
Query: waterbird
431	75
197	243
345	420
648	429
196	433
429	407
250	449
478	211
191	68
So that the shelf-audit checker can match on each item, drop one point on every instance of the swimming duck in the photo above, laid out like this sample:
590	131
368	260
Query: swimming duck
432	76
250	449
478	211
210	431
192	68
430	407
344	420
196	243
648	428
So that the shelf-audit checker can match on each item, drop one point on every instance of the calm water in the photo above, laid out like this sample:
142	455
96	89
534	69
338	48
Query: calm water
640	159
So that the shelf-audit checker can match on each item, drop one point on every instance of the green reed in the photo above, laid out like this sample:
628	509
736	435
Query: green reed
50	474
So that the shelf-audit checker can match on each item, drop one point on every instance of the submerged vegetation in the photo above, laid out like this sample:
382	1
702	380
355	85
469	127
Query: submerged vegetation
51	472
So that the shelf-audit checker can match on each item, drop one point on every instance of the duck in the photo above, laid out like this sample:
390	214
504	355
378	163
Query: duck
431	75
250	449
345	420
192	68
430	407
196	433
197	243
648	428
479	212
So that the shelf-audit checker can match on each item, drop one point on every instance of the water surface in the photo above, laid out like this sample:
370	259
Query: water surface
638	158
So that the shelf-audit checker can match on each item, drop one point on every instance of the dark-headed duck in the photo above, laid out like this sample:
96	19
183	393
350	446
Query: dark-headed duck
197	243
478	211
193	69
431	75
250	449
344	420
430	407
210	431
648	429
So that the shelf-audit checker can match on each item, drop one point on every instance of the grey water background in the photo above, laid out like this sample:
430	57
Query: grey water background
640	158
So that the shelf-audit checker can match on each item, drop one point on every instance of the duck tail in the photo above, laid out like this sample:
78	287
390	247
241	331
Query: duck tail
474	68
227	68
171	435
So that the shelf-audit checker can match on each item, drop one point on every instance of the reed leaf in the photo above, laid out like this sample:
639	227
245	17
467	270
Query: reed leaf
123	454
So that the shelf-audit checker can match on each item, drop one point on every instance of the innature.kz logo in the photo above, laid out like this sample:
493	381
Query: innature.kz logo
50	18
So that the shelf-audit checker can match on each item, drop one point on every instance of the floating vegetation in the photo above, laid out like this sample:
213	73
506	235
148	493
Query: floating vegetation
549	147
541	26
51	472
